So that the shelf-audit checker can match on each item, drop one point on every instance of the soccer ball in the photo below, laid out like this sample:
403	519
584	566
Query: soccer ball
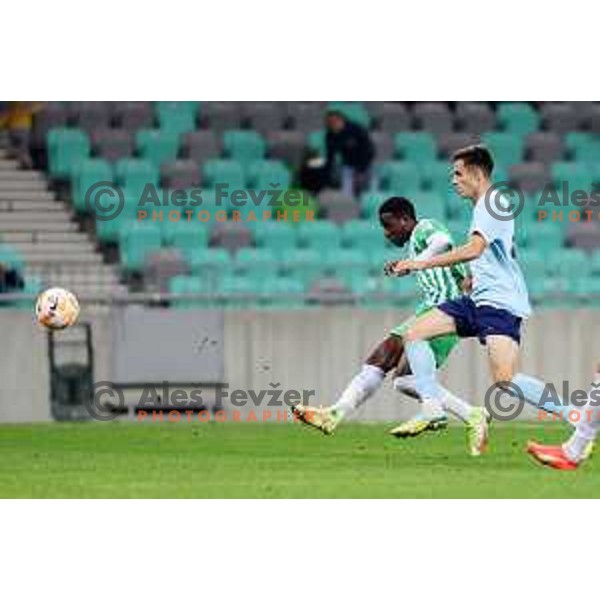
56	308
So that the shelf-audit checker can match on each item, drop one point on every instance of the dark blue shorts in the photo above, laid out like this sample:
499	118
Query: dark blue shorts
481	321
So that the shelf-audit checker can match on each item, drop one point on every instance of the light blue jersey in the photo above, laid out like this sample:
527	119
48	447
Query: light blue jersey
497	278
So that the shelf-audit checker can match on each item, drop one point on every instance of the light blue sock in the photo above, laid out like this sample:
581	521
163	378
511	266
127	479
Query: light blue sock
533	393
422	363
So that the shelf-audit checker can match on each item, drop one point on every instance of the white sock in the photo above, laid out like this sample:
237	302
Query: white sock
576	446
360	389
455	405
461	409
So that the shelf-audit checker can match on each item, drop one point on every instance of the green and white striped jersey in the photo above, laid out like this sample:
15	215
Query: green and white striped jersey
434	285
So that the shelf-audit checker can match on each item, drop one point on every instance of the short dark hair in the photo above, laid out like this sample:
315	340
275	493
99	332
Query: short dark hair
476	156
399	207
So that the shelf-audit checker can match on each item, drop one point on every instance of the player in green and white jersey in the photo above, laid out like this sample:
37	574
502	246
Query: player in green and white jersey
425	238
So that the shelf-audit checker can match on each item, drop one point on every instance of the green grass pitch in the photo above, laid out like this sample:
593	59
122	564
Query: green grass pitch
227	460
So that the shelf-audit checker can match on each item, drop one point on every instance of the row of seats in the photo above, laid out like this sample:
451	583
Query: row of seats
436	117
11	259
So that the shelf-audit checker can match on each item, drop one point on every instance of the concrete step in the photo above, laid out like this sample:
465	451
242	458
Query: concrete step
23	185
80	248
62	258
33	205
21	176
9	164
100	271
34	217
44	236
28	195
21	224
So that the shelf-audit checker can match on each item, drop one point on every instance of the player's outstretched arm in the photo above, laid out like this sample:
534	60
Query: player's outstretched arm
470	251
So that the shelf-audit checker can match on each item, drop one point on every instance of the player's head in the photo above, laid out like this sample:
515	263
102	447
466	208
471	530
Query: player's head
398	219
472	169
335	121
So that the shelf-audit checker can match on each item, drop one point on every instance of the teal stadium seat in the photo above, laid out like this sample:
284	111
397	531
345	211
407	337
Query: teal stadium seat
277	237
268	174
185	236
66	148
518	117
176	117
415	146
436	177
134	174
583	146
211	264
578	175
84	176
157	146
507	148
183	284
399	177
224	171
136	243
320	235
363	235
430	205
242	291
260	263
304	264
283	292
244	146
316	142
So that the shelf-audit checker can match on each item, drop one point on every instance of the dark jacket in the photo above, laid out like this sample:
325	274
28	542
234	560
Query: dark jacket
353	145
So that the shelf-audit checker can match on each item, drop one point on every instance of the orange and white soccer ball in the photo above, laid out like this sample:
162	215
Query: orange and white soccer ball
56	308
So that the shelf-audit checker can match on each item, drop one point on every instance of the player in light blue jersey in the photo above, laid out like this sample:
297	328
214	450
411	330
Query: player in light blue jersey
497	305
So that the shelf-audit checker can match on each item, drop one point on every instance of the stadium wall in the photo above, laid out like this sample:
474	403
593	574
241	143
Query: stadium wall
315	350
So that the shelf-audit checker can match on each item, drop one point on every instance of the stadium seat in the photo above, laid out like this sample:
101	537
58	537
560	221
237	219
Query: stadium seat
53	115
436	177
303	264
200	146
559	117
210	264
136	242
415	146
176	117
66	148
365	236
370	203
578	175
434	117
338	207
506	148
572	262
305	116
544	146
399	177
244	147
221	116
180	174
451	141
186	236
264	116
583	146
518	117
319	235
276	237
394	117
135	174
241	291
430	205
287	146
112	144
157	146
267	175
183	284
384	146
89	116
86	174
283	292
475	117
529	177
224	172
133	115
260	263
231	235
